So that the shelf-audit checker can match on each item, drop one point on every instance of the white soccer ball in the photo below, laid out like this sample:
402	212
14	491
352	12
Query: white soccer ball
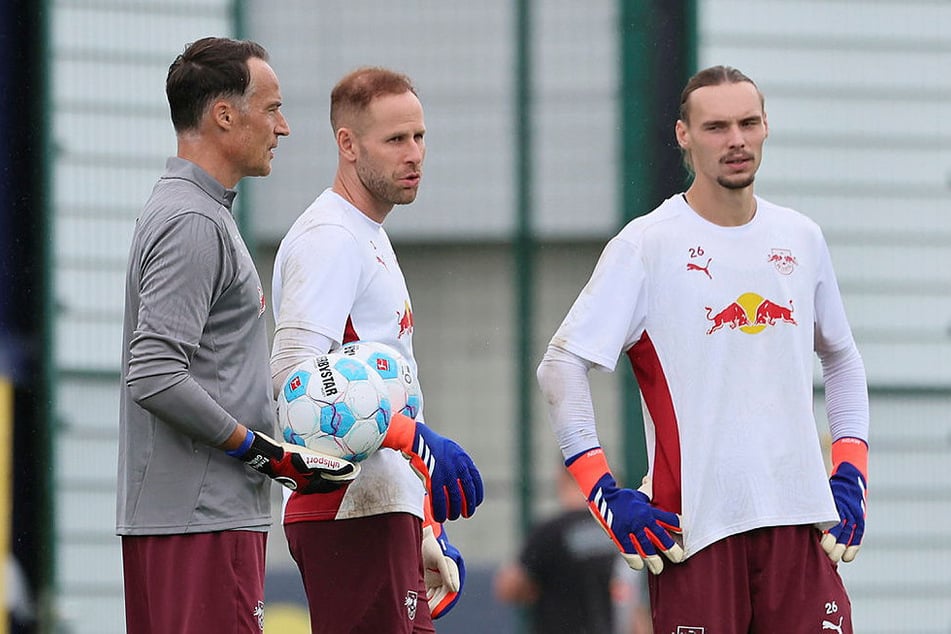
402	386
335	404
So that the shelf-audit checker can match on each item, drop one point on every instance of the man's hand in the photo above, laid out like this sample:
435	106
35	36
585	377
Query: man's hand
636	527
849	489
298	468
444	568
452	480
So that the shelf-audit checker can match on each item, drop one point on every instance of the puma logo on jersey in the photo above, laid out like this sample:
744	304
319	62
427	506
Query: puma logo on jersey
696	267
828	625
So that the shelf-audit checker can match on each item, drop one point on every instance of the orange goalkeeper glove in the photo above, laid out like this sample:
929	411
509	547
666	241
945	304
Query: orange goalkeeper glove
636	527
849	483
452	480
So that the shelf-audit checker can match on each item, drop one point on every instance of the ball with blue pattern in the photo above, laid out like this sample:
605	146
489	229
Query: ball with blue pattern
396	372
335	404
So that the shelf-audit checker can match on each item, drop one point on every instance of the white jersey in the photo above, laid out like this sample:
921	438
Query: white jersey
336	274
720	325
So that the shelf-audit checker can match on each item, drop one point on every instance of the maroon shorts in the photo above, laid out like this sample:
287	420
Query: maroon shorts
195	583
364	575
763	581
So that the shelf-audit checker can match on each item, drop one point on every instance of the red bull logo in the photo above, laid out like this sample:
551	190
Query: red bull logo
405	320
751	313
783	259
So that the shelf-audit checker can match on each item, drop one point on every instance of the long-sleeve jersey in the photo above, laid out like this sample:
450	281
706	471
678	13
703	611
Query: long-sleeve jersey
721	326
336	279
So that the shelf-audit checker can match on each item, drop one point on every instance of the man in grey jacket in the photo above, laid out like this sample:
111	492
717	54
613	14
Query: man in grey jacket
196	409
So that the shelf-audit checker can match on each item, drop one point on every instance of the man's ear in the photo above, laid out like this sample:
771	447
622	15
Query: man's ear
345	143
680	131
222	113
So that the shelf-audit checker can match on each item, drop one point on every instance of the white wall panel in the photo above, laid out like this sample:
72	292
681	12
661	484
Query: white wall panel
110	83
828	21
88	342
94	239
891	265
105	185
90	406
91	290
921	214
88	512
462	60
111	136
876	121
815	68
907	364
85	566
103	615
135	135
148	29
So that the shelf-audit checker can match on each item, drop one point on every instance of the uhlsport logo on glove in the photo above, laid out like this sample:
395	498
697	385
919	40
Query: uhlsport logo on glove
319	461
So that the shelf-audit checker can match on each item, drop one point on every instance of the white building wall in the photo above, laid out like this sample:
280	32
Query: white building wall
462	60
111	134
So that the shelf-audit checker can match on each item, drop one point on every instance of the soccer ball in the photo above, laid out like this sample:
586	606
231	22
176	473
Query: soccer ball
335	404
405	395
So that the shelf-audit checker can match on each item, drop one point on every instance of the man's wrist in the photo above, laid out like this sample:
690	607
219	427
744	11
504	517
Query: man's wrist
400	434
851	450
245	445
587	468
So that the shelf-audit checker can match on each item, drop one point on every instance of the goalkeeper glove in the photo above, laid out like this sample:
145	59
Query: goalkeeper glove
296	467
636	528
451	478
848	481
444	569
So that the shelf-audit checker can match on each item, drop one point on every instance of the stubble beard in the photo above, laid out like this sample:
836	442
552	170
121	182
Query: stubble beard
383	189
726	183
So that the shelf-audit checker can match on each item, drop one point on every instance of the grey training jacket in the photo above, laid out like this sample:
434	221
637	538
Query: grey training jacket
194	363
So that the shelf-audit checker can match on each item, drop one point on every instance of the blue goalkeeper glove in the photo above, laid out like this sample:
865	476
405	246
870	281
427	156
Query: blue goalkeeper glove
452	481
444	568
849	490
636	527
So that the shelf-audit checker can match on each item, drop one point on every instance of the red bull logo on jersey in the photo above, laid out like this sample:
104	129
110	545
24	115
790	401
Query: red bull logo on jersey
405	320
751	313
783	259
